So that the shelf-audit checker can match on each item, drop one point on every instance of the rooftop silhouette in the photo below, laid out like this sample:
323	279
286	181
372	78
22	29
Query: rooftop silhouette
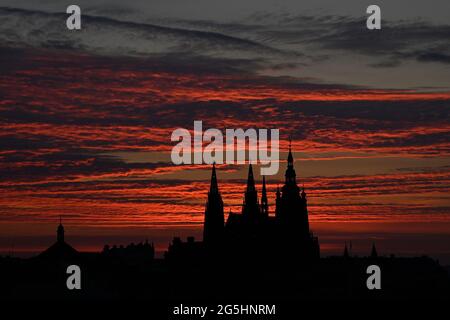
262	252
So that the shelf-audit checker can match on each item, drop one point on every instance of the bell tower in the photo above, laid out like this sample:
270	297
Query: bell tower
291	204
250	208
214	217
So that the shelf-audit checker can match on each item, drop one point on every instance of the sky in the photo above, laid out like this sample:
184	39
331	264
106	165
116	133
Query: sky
86	118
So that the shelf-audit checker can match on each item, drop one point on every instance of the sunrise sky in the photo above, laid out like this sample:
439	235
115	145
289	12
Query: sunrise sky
86	118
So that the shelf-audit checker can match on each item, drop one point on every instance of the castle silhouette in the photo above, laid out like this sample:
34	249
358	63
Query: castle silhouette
255	254
254	233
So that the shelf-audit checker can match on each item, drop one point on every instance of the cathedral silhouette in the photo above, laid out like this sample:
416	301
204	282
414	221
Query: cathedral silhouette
255	233
254	255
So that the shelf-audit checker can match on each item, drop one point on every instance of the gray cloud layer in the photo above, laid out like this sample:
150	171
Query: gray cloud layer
279	38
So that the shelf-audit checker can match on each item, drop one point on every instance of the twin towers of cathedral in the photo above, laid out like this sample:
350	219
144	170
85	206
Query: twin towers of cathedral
288	228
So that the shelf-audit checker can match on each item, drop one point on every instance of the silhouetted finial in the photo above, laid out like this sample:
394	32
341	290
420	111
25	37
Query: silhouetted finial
214	187
250	179
290	157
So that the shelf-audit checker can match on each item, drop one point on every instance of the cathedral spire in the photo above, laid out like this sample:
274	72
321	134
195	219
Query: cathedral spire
60	231
290	171
250	207
250	180
214	216
374	253
214	187
290	158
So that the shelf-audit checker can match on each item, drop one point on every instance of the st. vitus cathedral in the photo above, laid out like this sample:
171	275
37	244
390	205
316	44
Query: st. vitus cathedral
255	232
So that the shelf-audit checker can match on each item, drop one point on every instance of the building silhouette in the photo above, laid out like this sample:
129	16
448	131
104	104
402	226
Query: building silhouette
258	253
60	249
140	251
255	233
214	217
190	251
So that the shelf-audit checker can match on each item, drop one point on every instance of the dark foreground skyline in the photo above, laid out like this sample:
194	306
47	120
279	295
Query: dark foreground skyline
250	256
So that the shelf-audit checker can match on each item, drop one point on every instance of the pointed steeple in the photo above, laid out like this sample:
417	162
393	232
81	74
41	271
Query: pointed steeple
290	174
250	207
346	255
290	158
264	202
214	193
214	216
374	253
60	231
250	179
213	187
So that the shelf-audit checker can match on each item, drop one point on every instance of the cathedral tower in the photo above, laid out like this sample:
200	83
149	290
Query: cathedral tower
214	217
250	208
291	204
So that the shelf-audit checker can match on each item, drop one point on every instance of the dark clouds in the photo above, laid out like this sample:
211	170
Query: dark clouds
433	56
271	37
47	30
321	48
416	39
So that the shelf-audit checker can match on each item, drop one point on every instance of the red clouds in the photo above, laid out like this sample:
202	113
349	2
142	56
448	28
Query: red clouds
73	132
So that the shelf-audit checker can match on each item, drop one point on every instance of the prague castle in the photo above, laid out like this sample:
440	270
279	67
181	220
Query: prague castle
259	253
255	232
